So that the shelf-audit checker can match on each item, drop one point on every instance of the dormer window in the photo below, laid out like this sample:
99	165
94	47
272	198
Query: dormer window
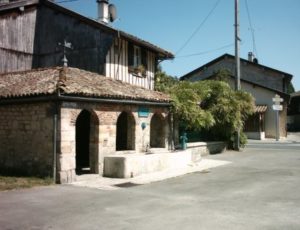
137	60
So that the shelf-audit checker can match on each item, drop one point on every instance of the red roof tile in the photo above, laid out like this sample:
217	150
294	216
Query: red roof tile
72	81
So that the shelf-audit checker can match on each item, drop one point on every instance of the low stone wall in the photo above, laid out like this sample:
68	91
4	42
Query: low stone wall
206	148
255	135
132	165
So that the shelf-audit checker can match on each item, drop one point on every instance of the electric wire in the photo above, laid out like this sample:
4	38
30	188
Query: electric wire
190	38
66	1
251	29
207	51
198	28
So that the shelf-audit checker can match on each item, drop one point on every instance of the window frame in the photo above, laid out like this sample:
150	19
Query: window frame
137	60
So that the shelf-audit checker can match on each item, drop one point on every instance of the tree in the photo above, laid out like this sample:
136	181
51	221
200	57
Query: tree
291	88
163	81
209	106
212	107
221	75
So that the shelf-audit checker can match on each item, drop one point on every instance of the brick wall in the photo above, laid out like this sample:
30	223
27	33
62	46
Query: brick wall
26	133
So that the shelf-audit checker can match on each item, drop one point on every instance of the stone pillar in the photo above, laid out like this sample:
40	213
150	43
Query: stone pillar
67	162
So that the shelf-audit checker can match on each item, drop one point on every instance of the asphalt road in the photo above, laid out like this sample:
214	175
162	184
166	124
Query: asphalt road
258	190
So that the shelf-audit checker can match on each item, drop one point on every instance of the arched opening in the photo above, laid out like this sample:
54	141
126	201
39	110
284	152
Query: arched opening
157	131
125	139
86	143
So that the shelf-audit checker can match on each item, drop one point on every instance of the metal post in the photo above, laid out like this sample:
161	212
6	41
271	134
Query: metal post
277	125
237	47
277	107
237	63
172	134
54	144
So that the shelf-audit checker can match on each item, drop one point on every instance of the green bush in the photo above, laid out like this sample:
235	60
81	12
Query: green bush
211	108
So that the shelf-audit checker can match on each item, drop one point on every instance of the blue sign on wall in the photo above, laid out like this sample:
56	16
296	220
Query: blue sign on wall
143	112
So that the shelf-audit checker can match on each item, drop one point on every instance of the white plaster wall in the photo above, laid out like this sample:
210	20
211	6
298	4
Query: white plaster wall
264	97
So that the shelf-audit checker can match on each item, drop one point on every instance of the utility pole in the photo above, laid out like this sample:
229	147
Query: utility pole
237	61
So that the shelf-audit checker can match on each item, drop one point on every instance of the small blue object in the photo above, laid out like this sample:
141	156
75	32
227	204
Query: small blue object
143	125
183	141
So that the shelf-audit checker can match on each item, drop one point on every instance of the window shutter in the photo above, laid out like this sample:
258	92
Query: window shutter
144	58
130	54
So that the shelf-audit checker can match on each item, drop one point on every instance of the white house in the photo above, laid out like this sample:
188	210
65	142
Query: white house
262	82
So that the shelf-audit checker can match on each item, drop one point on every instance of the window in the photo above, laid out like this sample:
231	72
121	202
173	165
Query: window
137	60
137	57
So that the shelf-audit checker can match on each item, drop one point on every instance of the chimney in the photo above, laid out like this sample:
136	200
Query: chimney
250	56
103	11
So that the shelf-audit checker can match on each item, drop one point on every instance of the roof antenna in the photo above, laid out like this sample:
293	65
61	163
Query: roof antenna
66	45
107	13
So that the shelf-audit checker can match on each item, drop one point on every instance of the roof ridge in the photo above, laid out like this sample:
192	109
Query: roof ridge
227	55
73	82
62	77
30	70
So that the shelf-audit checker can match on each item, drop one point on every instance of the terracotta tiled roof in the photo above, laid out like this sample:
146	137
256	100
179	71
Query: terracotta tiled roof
72	81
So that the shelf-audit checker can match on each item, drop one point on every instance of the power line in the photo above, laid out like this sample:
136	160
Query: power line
207	51
65	1
198	28
251	29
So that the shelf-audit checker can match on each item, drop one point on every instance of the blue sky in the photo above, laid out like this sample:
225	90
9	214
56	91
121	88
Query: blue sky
170	23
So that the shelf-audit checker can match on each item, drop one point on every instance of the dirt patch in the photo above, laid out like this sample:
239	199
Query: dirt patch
10	182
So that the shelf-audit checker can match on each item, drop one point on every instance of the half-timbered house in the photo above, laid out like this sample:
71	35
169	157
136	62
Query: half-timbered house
33	29
65	120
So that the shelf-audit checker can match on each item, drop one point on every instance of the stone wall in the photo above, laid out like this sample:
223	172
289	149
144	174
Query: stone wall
26	136
26	139
206	148
104	121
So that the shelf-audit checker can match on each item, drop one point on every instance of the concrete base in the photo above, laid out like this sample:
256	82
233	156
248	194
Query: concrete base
206	148
255	135
132	165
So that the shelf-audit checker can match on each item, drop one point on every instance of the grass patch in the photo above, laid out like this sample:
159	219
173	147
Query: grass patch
12	182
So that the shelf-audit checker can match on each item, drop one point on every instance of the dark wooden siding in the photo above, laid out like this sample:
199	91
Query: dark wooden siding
17	31
90	45
30	39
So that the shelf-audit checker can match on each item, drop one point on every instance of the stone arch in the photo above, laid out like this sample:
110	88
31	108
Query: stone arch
157	131
87	138
125	138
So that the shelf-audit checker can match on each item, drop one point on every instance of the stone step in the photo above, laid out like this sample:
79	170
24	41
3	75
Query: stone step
158	150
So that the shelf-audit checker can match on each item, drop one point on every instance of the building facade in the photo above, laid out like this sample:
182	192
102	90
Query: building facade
35	31
262	82
63	121
294	112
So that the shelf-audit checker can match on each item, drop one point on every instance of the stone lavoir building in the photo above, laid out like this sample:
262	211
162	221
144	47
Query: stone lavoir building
68	120
63	121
